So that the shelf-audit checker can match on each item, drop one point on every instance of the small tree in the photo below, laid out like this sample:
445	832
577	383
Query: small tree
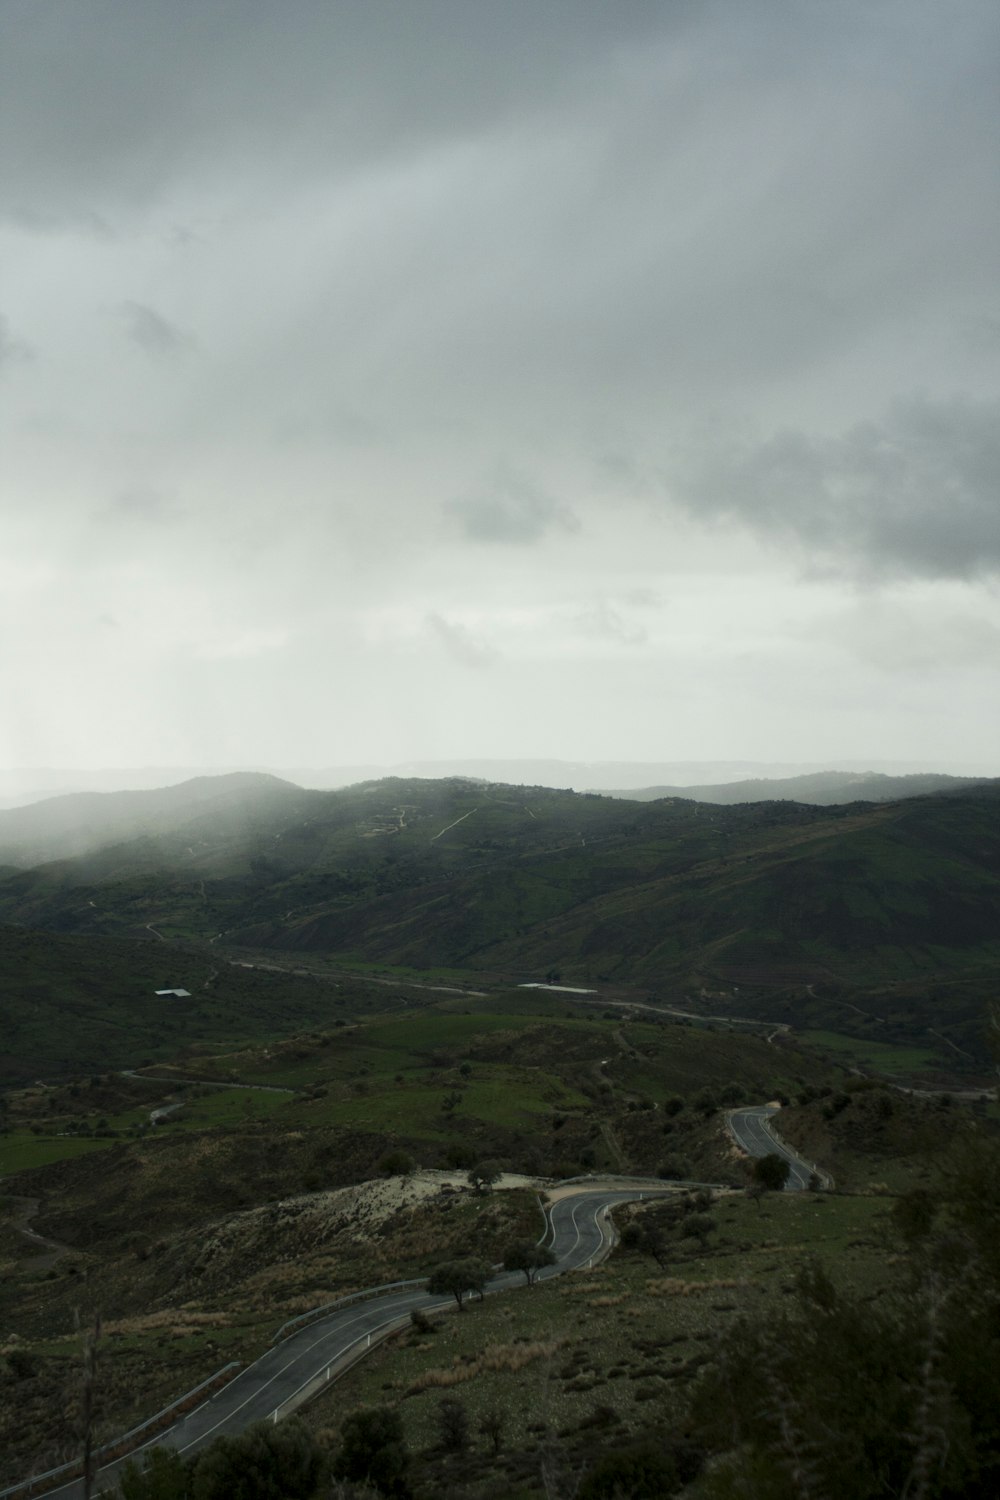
485	1175
373	1448
527	1258
771	1171
264	1461
491	1425
396	1163
453	1425
456	1278
700	1226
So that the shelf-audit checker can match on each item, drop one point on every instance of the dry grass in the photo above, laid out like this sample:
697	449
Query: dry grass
175	1321
495	1358
673	1286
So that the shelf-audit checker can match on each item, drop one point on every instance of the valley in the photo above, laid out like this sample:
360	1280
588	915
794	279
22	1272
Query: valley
359	1010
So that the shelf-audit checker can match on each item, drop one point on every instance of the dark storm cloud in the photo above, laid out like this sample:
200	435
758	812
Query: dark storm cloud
152	331
515	512
916	494
135	94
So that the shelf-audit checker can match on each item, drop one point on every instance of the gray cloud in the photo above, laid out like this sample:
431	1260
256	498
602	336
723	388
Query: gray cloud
915	494
463	645
153	333
515	513
546	264
141	505
603	622
13	351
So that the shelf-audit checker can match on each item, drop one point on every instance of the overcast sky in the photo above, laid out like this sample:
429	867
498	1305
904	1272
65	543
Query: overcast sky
536	378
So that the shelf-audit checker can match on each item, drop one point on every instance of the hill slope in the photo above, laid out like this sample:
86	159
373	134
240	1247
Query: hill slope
468	876
819	788
82	822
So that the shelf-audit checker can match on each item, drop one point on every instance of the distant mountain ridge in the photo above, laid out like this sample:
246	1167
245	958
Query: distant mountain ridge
817	789
19	786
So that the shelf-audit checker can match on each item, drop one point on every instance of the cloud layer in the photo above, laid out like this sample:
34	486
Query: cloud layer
362	358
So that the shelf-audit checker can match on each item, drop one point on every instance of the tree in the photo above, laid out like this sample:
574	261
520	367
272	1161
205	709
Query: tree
453	1425
527	1258
396	1163
491	1425
373	1448
455	1278
266	1462
485	1175
699	1226
642	1469
771	1172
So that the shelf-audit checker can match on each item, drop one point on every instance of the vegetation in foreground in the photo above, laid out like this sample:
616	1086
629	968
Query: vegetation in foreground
796	1346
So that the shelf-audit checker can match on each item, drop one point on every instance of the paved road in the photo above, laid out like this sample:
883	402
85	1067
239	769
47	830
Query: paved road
753	1132
580	1234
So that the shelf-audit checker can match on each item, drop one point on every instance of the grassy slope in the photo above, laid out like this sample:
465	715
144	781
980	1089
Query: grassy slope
82	1005
594	1358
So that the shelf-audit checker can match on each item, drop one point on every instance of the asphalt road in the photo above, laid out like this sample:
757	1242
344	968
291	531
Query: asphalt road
580	1233
752	1131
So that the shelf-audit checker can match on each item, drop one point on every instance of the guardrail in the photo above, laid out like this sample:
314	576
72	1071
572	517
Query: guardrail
654	1184
824	1179
315	1313
137	1436
120	1447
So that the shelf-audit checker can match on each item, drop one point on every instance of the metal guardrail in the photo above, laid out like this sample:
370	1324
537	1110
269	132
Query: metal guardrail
119	1447
654	1184
315	1313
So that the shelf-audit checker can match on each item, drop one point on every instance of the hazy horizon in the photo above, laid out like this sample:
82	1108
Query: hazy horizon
26	785
583	382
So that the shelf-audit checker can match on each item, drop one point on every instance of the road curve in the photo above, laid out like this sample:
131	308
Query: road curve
752	1131
579	1234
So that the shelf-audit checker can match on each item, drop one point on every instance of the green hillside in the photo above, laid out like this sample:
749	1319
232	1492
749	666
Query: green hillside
75	1005
520	881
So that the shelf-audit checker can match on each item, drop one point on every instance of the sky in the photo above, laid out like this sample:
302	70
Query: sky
546	379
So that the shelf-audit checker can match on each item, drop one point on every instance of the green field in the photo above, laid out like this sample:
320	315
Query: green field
877	1057
21	1150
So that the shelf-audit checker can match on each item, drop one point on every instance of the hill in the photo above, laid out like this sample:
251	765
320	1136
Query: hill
520	882
819	788
81	822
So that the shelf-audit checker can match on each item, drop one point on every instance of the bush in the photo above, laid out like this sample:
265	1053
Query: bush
261	1463
453	1425
396	1164
21	1364
373	1448
643	1469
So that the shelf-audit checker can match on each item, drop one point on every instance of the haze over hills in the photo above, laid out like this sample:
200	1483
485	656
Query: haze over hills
522	881
20	786
63	827
819	788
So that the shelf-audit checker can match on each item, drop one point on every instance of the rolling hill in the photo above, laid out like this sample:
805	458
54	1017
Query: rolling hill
818	788
520	881
79	823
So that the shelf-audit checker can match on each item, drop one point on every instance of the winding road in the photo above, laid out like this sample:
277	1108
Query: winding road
579	1233
753	1132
